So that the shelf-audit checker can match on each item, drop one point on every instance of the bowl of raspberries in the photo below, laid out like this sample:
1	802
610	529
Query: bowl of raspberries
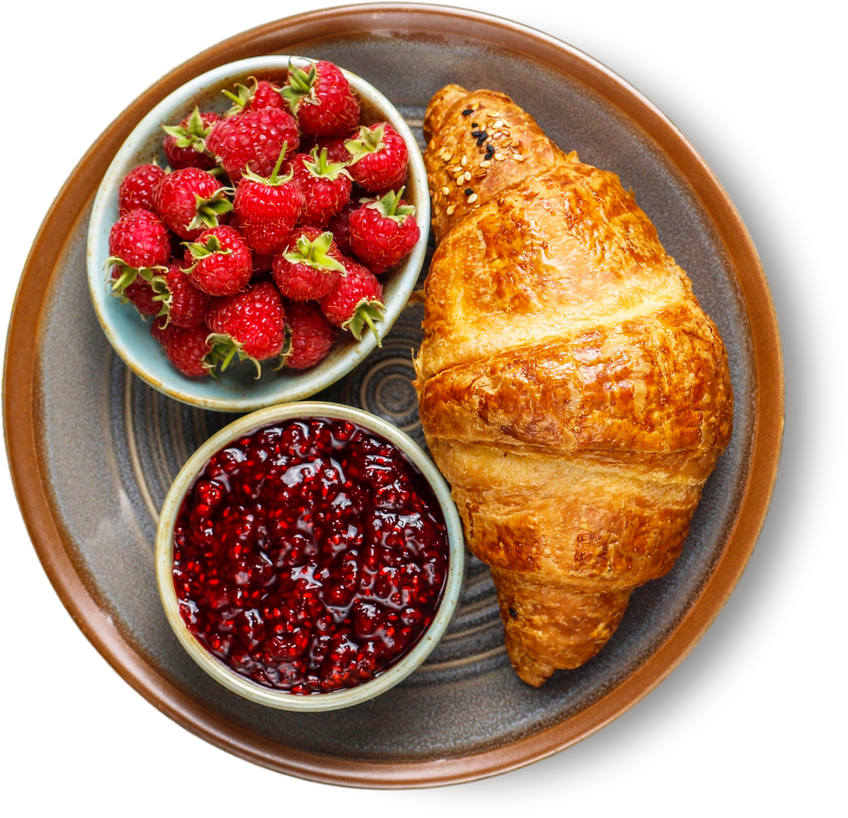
258	233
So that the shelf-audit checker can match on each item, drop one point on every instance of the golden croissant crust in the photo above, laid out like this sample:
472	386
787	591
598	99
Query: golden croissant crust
571	389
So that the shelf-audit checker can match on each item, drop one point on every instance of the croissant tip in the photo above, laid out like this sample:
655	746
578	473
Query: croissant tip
528	668
529	677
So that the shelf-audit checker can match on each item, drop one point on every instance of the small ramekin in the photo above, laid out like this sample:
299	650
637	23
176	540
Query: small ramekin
245	687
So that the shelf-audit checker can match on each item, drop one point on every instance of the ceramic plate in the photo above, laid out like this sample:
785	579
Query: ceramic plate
464	714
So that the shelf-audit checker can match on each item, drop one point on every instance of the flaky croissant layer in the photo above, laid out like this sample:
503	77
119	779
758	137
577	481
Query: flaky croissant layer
571	389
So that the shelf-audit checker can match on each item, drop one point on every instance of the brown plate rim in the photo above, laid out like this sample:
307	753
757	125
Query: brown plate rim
21	409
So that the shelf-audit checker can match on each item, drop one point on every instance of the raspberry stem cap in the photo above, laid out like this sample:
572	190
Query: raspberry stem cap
129	275
390	207
210	246
368	313
301	84
223	349
313	253
193	134
209	209
367	141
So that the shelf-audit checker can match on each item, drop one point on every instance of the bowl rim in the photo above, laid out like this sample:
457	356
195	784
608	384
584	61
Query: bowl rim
201	392
278	699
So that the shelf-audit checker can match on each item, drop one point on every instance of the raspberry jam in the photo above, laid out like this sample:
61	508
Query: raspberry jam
310	556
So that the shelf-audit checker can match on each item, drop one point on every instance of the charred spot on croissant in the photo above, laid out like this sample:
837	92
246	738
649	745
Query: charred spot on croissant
513	613
468	112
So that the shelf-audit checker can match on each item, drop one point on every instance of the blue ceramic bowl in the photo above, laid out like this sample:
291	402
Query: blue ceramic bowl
238	389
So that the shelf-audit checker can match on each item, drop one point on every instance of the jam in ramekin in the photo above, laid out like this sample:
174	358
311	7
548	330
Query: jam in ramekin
310	556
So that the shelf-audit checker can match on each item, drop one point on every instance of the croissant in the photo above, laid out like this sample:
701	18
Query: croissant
571	389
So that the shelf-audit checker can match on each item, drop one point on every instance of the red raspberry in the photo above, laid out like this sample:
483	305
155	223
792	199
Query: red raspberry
261	94
249	325
321	99
339	225
190	201
268	209
325	186
355	301
185	145
186	347
266	95
336	150
219	262
138	293
383	232
309	335
181	302
261	261
253	139
136	189
378	158
139	245
309	265
139	239
261	264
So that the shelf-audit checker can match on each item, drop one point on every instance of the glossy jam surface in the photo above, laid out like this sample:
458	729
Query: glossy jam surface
310	556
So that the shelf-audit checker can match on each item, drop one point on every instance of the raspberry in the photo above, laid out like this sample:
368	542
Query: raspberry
253	139
383	232
261	263
321	99
266	95
336	150
378	158
186	347
139	239
339	225
189	201
261	94
136	189
309	265
219	262
268	209
309	335
138	293
248	325
355	301
325	185
181	302
184	144
139	245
